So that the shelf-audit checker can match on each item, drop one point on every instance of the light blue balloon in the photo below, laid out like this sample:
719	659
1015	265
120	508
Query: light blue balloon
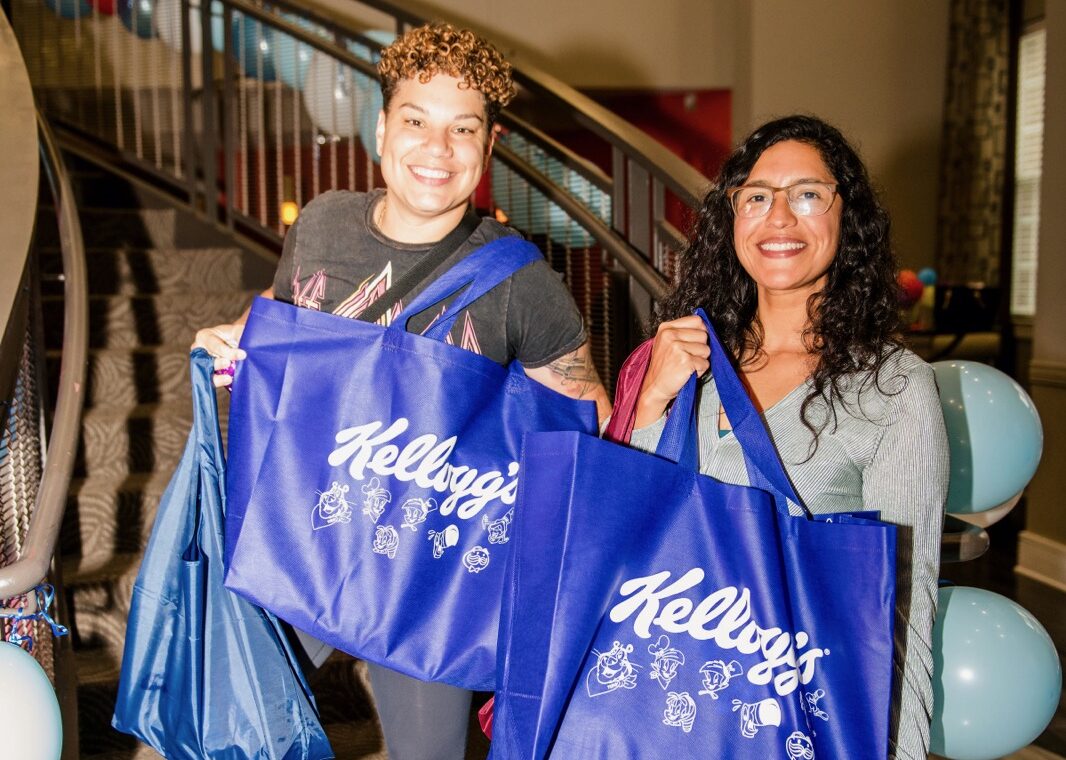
168	25
994	433
927	275
30	723
253	43
137	15
291	57
70	8
996	676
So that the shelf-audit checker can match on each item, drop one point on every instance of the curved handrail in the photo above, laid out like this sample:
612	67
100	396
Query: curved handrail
687	182
646	275
32	566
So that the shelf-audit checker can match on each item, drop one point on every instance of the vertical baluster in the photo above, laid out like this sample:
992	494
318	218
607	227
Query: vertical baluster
117	66
658	214
333	139
368	152
279	147
137	76
177	85
352	138
98	73
298	147
229	105
209	121
186	101
77	26
606	368
639	201
158	50
618	190
586	260
316	161
531	206
243	110
260	119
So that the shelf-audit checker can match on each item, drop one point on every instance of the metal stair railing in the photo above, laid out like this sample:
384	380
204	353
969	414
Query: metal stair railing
39	543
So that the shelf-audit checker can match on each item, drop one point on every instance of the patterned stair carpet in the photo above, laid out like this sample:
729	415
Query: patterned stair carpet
156	274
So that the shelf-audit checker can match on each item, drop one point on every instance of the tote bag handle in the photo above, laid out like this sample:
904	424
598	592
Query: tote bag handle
482	270
679	441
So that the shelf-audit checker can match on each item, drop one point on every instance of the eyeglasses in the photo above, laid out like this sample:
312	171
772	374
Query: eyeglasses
804	198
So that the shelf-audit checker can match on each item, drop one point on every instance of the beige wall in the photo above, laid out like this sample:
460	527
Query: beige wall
603	43
875	68
1046	514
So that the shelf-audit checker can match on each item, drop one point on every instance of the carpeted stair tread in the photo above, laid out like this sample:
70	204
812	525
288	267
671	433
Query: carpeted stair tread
141	228
128	376
111	514
118	440
128	270
147	320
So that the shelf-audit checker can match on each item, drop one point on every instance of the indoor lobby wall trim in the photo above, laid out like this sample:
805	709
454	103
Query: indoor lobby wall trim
1050	374
1041	559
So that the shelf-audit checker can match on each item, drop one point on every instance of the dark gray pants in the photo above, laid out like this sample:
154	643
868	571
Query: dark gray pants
420	720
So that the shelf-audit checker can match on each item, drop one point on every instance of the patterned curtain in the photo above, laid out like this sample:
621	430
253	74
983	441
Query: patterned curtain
974	142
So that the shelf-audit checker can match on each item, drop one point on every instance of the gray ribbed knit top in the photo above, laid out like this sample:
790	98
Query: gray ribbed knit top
887	451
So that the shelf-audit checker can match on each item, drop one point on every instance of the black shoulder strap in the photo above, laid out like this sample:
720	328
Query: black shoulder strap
424	266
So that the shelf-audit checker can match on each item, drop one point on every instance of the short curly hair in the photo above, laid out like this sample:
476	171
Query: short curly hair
441	48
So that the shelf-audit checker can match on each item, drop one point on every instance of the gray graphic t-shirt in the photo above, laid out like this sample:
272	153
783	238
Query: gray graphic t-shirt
336	260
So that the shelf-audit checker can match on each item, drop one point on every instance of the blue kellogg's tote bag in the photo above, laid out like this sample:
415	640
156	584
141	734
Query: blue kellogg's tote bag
657	613
205	674
373	475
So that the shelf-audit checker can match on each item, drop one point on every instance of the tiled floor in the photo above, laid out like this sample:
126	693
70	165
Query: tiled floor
994	571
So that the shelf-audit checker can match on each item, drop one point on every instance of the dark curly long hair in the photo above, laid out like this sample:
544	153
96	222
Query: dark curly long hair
853	322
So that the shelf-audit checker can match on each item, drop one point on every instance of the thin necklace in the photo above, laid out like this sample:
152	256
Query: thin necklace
380	212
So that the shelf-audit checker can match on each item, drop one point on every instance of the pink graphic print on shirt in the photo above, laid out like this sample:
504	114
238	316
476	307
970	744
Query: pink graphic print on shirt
370	290
309	295
469	341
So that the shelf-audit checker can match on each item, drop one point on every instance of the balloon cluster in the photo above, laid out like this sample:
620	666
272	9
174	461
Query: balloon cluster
341	101
917	296
997	677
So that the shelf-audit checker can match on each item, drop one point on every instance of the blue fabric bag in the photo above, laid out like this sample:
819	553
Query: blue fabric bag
206	675
654	612
373	475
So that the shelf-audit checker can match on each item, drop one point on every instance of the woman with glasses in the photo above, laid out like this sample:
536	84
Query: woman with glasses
792	263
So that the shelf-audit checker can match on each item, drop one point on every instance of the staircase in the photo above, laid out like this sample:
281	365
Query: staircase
156	275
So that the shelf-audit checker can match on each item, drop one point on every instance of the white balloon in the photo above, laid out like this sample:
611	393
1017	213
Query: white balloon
30	723
989	516
331	96
167	20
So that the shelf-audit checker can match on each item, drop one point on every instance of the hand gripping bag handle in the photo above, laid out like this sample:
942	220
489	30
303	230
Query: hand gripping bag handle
482	270
679	441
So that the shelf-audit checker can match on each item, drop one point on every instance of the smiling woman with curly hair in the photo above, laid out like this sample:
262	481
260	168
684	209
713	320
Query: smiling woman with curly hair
349	252
791	260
